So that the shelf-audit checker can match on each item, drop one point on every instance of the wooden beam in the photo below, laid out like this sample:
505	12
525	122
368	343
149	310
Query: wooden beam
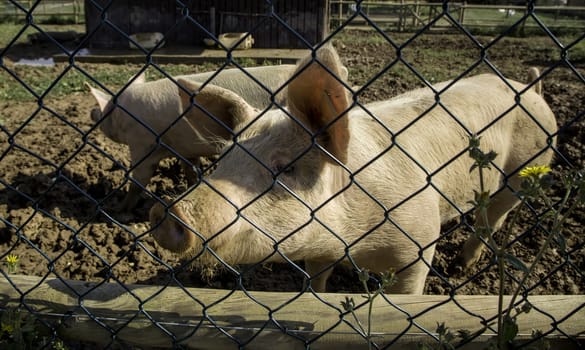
157	316
187	56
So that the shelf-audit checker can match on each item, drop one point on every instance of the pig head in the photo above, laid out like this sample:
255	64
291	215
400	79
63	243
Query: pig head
327	182
146	110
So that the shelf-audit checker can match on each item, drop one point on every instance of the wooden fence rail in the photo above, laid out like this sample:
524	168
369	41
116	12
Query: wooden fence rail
144	315
402	15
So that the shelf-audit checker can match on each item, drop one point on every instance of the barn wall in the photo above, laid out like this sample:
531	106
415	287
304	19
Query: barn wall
309	19
576	2
122	18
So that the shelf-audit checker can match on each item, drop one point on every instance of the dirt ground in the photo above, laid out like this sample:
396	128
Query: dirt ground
59	183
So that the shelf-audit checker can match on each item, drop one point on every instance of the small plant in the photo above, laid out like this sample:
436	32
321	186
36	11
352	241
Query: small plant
58	345
20	331
12	263
445	339
387	279
536	180
535	183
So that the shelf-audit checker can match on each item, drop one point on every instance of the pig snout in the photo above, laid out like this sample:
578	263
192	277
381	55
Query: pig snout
167	229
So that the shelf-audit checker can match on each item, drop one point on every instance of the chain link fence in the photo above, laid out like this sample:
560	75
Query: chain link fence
86	182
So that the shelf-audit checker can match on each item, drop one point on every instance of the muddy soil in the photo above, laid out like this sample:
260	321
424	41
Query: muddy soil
60	179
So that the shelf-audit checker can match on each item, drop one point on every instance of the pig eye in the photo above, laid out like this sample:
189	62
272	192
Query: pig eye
280	164
283	169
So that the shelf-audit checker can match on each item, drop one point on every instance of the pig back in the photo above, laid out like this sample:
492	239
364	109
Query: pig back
417	144
155	108
271	79
145	110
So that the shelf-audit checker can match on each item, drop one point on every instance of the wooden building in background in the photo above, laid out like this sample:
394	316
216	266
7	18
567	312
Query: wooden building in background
108	25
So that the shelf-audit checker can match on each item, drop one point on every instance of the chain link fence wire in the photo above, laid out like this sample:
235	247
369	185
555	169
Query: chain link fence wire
67	191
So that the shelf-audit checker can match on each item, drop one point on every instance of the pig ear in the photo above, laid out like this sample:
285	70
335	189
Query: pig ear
344	73
320	100
101	97
139	79
224	104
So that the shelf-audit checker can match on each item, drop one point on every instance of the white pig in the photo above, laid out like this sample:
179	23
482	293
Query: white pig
156	104
342	183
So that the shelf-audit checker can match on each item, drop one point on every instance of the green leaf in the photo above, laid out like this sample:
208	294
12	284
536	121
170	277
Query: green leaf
515	262
464	334
474	141
364	275
441	329
348	304
510	329
490	156
561	241
526	307
388	279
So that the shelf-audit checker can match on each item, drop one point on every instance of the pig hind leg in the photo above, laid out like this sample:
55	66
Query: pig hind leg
500	206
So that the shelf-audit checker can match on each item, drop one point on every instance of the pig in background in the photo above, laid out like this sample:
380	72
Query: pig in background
338	182
156	104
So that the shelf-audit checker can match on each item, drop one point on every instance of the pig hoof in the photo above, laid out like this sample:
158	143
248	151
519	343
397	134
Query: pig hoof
463	263
455	268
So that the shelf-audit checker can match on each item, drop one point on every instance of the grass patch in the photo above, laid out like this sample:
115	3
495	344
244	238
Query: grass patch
577	52
8	31
44	80
455	56
366	37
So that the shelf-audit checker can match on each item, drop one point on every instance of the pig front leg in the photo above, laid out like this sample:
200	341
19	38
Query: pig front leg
500	206
130	199
190	171
142	173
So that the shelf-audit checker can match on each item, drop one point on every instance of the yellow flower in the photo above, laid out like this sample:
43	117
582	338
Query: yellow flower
12	259
7	328
535	171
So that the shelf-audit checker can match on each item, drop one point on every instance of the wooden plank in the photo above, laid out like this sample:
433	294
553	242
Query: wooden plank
220	319
187	55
